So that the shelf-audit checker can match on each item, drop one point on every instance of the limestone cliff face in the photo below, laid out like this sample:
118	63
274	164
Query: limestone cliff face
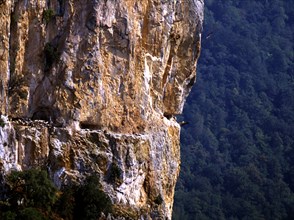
91	86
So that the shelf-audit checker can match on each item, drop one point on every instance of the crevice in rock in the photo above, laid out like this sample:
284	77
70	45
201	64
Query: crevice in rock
86	125
12	50
166	71
91	22
191	82
43	113
51	55
146	22
114	174
173	39
61	8
167	115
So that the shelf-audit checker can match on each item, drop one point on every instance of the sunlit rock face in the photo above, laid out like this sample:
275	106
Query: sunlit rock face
93	87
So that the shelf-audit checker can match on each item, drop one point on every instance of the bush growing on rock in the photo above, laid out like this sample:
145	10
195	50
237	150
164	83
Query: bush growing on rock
48	15
31	195
91	201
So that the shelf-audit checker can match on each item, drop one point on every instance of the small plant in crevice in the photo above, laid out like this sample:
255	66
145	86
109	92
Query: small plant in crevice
14	18
51	55
23	94
115	174
2	123
48	15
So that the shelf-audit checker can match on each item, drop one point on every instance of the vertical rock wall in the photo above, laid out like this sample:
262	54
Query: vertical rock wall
93	87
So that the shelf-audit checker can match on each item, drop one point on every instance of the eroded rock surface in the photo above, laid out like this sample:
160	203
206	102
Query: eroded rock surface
93	87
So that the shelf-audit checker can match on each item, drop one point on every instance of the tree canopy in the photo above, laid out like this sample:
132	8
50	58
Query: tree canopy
238	148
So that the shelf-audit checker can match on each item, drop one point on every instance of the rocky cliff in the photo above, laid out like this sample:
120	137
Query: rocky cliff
92	86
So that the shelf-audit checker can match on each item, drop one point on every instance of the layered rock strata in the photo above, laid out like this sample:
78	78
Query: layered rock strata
93	87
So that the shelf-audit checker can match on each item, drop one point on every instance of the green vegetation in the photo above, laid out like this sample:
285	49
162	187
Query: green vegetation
115	174
31	195
31	214
48	15
2	123
33	187
91	200
238	148
51	55
28	193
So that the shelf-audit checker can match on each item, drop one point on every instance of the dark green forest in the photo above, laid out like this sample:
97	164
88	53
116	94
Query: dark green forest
238	149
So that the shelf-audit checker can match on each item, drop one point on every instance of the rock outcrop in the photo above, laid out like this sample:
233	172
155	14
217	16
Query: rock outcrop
93	87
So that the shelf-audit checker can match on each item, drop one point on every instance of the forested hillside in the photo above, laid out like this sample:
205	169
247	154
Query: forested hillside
238	148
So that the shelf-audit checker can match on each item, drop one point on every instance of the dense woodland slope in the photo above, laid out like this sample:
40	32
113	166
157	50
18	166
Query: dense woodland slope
238	148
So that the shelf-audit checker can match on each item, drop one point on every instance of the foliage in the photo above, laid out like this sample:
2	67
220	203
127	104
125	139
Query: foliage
31	214
65	205
9	215
51	55
238	148
86	201
2	123
91	200
31	195
115	174
31	188
48	15
27	195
